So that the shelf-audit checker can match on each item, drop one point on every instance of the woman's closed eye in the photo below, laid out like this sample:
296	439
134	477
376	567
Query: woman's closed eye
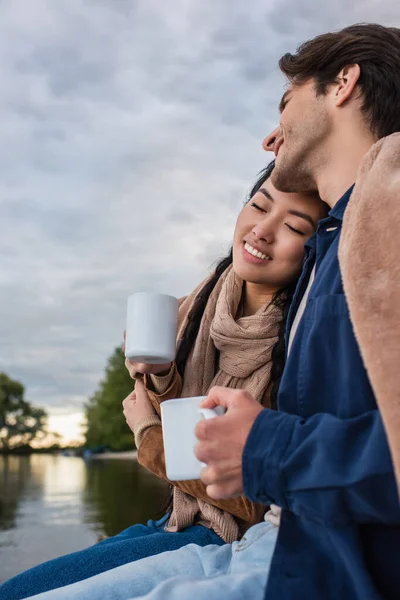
258	207
294	230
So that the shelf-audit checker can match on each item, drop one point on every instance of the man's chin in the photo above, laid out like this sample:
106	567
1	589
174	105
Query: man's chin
286	178
281	179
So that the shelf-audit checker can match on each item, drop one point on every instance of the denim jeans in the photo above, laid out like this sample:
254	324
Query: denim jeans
233	571
132	544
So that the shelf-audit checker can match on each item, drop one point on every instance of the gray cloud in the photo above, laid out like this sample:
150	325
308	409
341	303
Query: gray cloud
130	136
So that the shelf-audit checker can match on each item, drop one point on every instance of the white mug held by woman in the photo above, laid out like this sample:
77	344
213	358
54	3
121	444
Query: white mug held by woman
151	327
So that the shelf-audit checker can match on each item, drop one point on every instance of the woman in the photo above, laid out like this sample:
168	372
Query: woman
227	335
231	333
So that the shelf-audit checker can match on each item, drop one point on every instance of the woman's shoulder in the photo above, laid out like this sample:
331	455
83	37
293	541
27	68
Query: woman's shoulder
186	302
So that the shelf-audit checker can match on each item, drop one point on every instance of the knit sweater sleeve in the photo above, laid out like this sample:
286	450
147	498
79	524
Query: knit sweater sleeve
165	387
151	456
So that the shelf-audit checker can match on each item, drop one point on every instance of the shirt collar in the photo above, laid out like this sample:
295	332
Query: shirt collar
337	211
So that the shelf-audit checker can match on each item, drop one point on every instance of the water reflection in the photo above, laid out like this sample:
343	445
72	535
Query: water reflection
120	493
52	505
14	473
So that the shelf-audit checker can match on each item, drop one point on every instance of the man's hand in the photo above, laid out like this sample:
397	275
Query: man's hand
222	441
137	405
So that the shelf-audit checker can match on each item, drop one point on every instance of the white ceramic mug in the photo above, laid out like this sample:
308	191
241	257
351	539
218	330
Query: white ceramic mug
179	419
151	328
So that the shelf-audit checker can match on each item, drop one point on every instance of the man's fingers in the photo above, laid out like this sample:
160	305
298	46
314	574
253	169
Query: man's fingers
216	472
206	453
206	430
222	440
226	397
210	474
201	452
221	492
217	396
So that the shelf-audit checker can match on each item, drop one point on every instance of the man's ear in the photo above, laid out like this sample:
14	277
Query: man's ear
347	80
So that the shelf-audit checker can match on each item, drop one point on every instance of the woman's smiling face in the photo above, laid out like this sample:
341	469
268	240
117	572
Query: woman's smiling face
270	233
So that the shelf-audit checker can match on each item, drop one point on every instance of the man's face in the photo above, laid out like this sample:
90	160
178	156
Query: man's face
300	141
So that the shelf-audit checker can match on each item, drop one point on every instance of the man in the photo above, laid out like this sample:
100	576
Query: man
323	458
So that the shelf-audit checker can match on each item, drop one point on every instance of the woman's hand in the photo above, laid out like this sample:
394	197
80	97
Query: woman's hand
144	368
137	406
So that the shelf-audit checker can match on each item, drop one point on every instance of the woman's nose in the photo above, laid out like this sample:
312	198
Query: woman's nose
264	231
269	141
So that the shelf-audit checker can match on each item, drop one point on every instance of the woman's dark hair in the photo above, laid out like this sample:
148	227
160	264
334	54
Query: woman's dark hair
282	298
375	48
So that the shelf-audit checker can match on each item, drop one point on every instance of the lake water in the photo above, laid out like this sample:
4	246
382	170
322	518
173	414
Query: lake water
51	505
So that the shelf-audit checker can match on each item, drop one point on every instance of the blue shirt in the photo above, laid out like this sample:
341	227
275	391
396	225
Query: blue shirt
324	456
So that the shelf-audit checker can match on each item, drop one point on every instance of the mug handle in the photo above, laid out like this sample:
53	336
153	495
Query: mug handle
211	413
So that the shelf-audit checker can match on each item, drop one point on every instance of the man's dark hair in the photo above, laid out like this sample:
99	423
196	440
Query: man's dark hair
375	48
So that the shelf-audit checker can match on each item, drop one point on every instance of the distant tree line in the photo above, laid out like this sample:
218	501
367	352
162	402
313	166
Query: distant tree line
106	425
21	423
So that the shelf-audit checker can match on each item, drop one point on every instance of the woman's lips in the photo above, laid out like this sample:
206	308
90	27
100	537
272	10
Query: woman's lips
255	260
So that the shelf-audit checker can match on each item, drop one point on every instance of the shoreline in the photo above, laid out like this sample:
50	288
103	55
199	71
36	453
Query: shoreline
127	455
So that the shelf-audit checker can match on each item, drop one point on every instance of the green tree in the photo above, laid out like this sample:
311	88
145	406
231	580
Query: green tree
20	422
106	425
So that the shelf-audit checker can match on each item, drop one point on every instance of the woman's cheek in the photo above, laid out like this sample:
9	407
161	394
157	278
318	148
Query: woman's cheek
293	251
295	258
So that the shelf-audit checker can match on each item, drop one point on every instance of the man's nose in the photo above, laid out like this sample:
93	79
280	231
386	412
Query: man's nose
269	141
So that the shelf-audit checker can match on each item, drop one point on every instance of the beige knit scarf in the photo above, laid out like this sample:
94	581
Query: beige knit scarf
245	346
244	362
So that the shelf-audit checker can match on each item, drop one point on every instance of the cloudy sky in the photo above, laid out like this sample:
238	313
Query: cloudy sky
130	134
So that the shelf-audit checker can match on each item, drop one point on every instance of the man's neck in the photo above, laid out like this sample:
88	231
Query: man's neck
340	171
